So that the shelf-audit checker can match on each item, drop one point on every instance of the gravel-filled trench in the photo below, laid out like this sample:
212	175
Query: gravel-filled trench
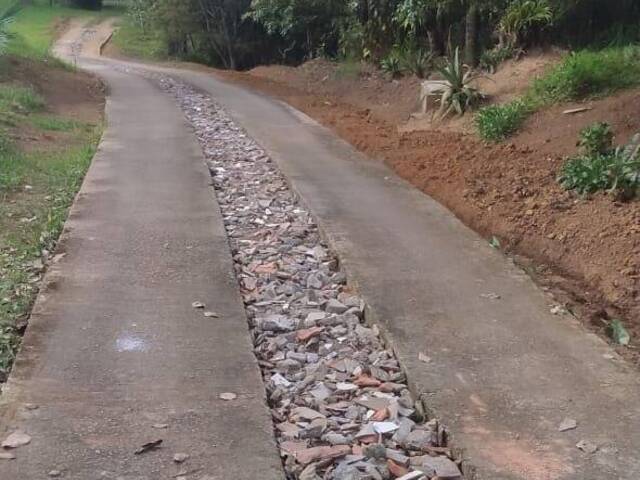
338	396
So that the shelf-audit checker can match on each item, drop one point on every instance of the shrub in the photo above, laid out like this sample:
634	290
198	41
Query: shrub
497	122
596	139
417	61
586	174
601	167
391	65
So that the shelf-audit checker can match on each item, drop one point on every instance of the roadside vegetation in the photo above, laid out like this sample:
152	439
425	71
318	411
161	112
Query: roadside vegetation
135	42
425	38
582	74
602	167
43	158
397	34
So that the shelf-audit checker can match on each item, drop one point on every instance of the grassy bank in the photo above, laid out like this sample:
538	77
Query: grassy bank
583	74
44	155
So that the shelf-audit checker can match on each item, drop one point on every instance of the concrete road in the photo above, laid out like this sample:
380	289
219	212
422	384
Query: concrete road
504	373
114	349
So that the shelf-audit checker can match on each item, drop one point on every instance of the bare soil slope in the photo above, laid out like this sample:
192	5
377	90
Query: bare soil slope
585	249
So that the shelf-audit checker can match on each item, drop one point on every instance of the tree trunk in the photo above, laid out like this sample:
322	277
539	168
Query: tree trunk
439	32
471	35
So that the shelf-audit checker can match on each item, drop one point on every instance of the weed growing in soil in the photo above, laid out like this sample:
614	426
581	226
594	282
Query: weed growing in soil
602	167
596	139
497	122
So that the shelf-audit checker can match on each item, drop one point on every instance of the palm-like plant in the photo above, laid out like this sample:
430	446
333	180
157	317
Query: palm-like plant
7	16
458	94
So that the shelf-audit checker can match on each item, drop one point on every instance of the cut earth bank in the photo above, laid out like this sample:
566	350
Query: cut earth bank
585	250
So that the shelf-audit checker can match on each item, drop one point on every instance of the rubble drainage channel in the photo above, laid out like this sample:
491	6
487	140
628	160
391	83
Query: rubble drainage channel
338	398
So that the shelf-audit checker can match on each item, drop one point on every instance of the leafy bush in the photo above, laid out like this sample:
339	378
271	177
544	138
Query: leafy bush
601	167
391	65
497	122
588	72
459	95
416	60
596	139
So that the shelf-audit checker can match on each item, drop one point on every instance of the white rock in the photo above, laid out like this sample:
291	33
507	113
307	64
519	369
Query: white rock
16	439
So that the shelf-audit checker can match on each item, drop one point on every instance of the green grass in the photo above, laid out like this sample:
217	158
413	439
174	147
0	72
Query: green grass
131	41
15	98
582	74
497	122
34	27
55	124
36	191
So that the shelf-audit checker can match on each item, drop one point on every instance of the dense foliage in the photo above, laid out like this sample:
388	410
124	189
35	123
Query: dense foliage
242	33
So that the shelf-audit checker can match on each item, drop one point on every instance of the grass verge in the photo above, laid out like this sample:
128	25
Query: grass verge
38	179
582	74
36	191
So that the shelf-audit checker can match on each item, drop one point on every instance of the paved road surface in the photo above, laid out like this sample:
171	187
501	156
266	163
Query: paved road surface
114	345
503	373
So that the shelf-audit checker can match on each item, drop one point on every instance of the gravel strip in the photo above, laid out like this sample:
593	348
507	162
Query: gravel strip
338	397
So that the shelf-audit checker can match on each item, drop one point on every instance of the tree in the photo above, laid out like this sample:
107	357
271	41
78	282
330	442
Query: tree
309	25
471	34
88	4
141	11
222	22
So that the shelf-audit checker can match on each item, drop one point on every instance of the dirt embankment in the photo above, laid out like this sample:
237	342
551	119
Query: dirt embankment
72	95
585	249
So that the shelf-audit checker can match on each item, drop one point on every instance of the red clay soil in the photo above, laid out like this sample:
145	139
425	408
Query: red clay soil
586	251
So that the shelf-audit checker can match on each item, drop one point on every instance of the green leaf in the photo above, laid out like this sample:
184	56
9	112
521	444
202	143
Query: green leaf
619	334
494	242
